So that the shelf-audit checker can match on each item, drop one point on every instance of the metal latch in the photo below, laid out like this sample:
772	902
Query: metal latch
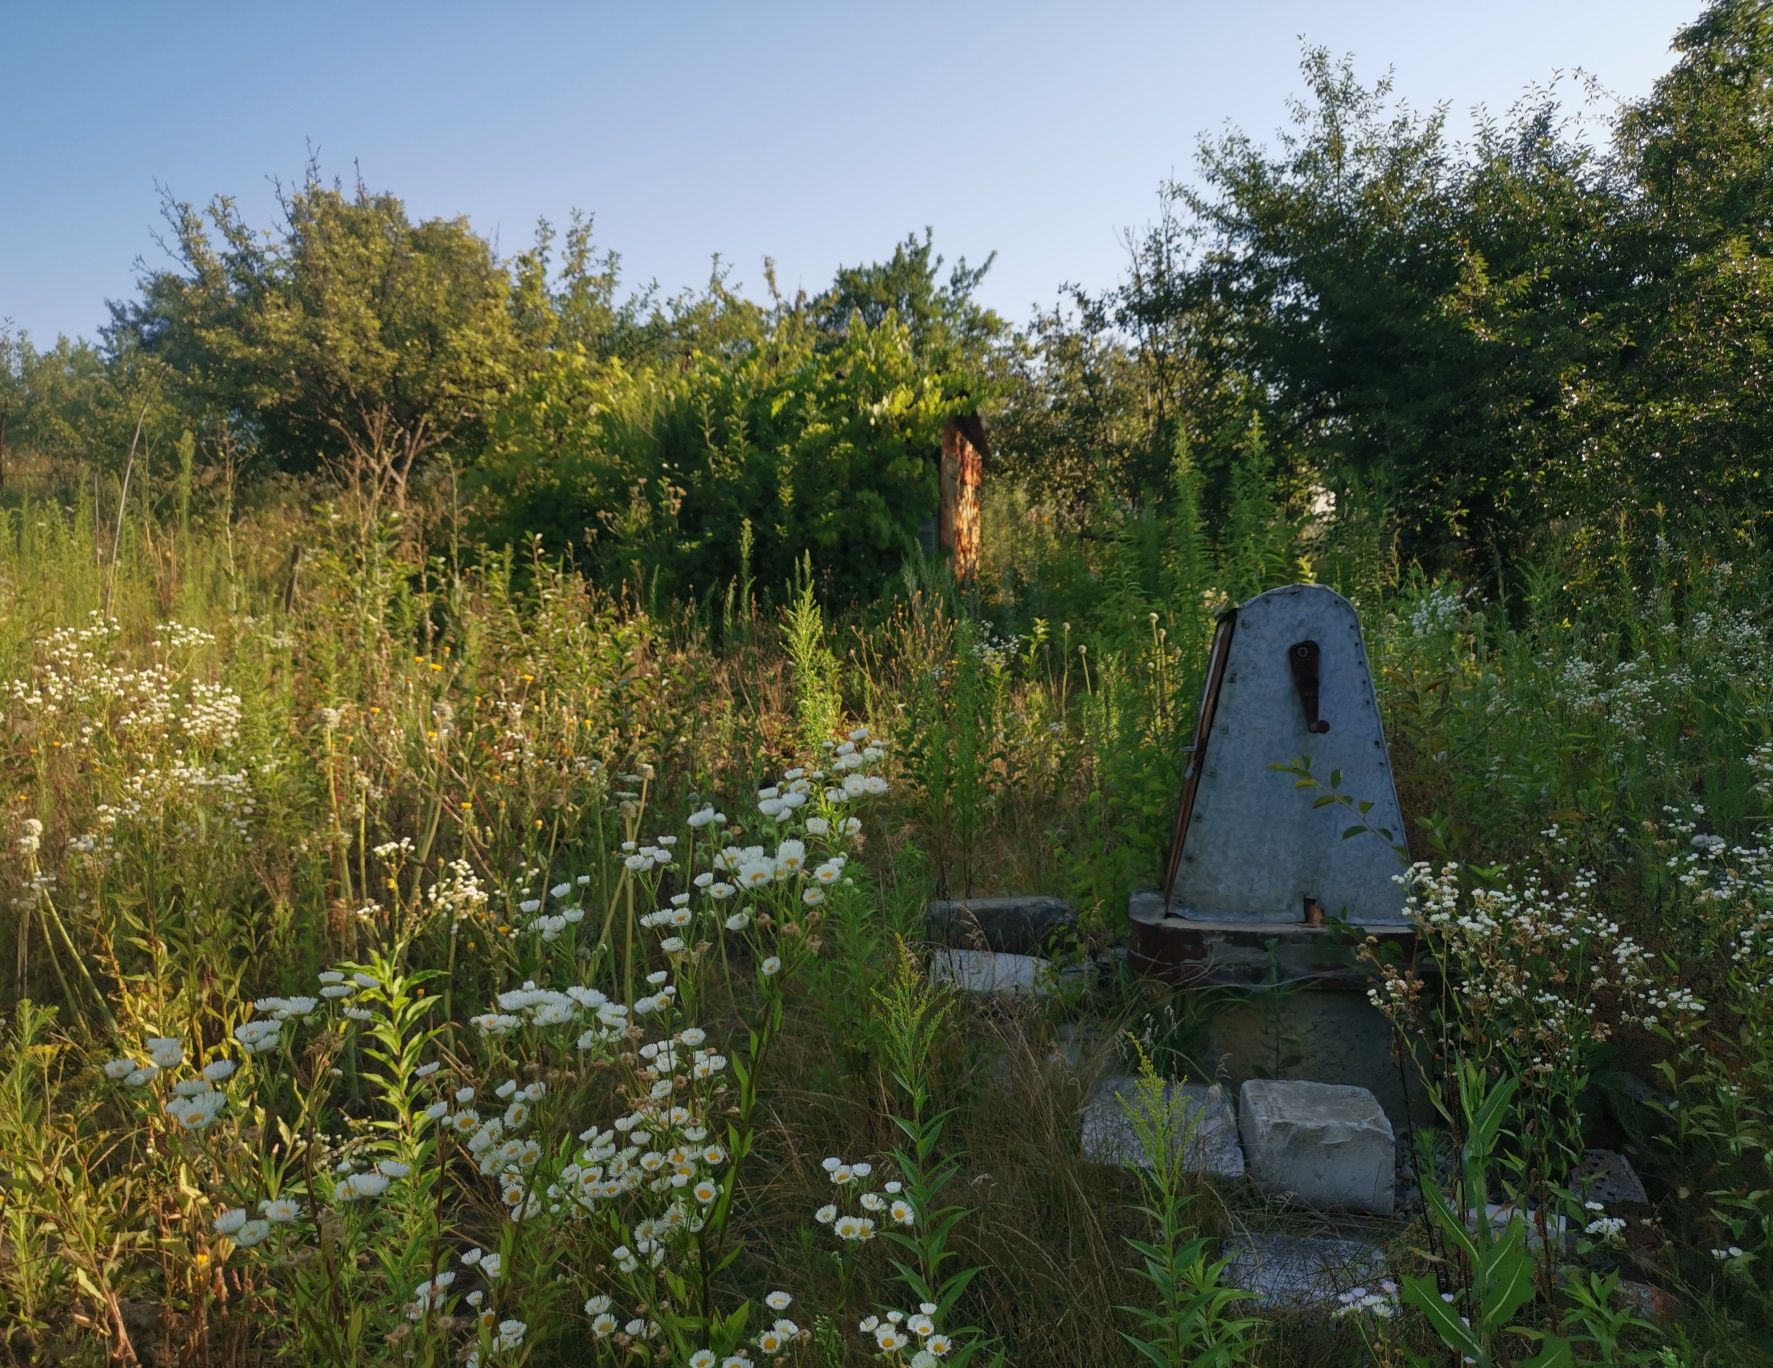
1303	656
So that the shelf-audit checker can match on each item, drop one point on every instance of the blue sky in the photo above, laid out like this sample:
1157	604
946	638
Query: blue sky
817	134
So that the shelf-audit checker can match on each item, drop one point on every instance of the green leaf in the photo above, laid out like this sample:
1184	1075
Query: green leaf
1425	1295
1557	1353
1505	1273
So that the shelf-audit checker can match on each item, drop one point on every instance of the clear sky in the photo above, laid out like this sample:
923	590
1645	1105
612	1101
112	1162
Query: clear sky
818	134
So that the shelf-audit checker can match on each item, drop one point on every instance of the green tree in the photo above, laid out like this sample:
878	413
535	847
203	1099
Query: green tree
1696	344
825	451
349	338
948	327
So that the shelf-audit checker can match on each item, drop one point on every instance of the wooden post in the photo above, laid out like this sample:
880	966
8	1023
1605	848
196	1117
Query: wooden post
963	445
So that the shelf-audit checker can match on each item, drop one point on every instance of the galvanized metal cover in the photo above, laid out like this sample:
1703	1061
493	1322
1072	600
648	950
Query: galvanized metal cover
1255	847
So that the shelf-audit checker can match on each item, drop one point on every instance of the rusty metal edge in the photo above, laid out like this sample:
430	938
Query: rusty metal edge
1203	730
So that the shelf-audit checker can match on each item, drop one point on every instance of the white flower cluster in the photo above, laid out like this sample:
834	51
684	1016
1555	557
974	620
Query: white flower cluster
1379	1301
602	1019
1532	964
458	893
1439	610
859	1225
909	1337
194	1102
247	1231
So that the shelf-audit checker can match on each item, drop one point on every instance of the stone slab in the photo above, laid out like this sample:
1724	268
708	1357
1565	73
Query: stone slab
1109	1138
1327	1144
1606	1176
1296	1272
1013	924
989	971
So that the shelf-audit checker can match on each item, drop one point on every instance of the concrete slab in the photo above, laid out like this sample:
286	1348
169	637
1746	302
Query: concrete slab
1329	1145
1297	1272
988	971
1109	1137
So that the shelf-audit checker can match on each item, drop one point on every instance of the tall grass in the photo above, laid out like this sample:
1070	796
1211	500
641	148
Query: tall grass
243	748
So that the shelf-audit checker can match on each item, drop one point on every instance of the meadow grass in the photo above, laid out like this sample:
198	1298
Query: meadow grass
524	1085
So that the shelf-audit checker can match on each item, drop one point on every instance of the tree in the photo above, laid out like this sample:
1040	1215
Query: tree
657	469
349	338
1696	343
949	329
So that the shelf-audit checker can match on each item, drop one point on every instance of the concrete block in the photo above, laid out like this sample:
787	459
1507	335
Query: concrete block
989	971
1296	1272
1202	1112
1014	925
1329	1145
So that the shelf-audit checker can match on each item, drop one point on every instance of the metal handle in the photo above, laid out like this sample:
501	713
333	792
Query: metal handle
1304	657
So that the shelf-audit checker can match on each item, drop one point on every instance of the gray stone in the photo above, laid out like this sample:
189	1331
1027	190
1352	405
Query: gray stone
988	971
1295	1272
1202	1113
1014	925
1328	1145
1607	1177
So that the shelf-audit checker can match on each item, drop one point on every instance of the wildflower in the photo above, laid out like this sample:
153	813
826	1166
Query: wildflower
251	1233
195	1113
118	1069
229	1221
771	966
778	1301
826	1214
703	1358
166	1051
217	1070
428	1293
278	1210
359	1185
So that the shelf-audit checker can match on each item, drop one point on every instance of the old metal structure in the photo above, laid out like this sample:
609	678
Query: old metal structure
1261	873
